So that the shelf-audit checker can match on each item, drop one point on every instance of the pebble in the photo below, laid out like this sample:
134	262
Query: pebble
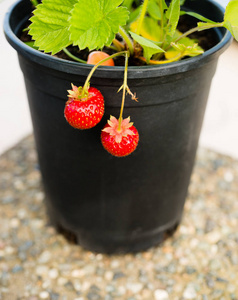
210	282
110	288
62	281
78	273
118	275
39	196
46	284
134	287
45	257
115	264
25	246
42	270
17	269
121	290
14	223
54	296
37	223
213	237
190	270
161	295
85	285
44	295
53	273
77	286
8	200
22	213
93	296
4	278
190	293
228	176
69	286
9	250
108	275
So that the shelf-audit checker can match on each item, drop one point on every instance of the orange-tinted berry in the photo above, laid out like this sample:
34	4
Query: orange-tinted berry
96	56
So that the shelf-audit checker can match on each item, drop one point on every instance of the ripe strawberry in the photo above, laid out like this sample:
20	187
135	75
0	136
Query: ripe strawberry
96	56
84	111
119	141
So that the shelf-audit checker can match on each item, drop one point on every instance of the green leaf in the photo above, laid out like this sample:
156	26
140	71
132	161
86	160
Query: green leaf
154	10
231	18
179	51
94	23
32	45
134	15
50	26
186	42
148	46
128	4
150	29
197	16
173	14
164	5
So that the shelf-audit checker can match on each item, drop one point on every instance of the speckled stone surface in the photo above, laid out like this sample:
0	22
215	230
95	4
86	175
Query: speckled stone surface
199	262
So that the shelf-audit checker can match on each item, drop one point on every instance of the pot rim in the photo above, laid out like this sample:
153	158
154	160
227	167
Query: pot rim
135	72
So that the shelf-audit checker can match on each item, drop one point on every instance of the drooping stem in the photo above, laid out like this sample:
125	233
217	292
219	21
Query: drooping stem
73	56
125	87
118	45
162	20
86	84
195	29
142	16
162	62
127	39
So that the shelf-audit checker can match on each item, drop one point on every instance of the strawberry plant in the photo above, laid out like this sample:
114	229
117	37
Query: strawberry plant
145	31
149	30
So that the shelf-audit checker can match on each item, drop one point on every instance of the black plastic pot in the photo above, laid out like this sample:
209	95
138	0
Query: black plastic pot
118	204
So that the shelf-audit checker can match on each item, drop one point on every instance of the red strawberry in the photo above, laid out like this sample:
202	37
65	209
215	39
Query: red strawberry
119	141
84	112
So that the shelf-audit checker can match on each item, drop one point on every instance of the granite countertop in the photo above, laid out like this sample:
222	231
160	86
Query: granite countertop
199	262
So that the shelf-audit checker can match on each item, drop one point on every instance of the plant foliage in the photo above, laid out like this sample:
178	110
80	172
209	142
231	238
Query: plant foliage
95	24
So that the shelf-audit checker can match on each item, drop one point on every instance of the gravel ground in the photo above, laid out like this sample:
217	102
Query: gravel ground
199	262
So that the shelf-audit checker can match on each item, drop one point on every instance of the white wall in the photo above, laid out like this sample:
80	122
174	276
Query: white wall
223	2
14	115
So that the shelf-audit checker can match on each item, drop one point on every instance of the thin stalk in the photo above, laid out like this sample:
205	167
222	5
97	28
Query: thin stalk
112	47
123	92
118	45
142	15
86	84
162	62
162	20
198	28
127	39
73	57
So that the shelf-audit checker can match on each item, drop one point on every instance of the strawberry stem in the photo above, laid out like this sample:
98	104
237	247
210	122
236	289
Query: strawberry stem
86	84
142	16
73	56
118	45
125	87
127	39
